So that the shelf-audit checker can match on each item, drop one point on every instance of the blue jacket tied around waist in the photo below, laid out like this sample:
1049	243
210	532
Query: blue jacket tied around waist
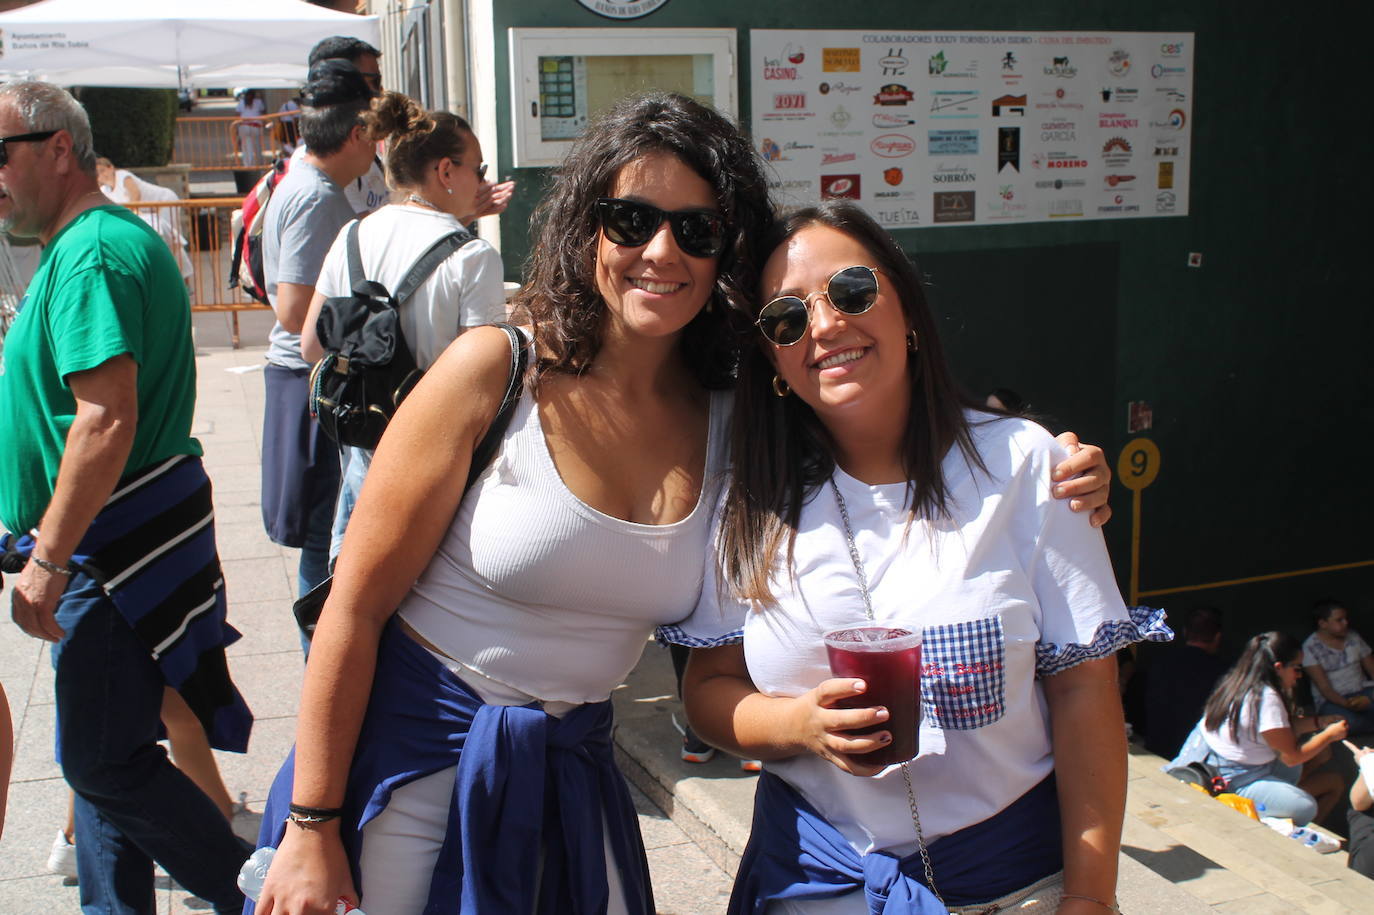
526	781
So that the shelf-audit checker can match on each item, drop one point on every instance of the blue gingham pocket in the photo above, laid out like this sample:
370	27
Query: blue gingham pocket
963	676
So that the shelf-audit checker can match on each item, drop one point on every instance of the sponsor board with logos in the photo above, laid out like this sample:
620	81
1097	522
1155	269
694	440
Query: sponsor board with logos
945	129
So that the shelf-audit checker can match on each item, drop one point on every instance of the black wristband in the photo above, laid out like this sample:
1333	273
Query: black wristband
321	813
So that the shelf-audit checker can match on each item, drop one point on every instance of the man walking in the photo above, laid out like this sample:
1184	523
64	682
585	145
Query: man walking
110	513
300	466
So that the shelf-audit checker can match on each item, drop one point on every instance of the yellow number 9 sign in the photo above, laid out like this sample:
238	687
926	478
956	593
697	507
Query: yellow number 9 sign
1139	464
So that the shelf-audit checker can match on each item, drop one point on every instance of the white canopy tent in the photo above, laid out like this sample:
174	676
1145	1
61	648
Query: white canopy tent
170	43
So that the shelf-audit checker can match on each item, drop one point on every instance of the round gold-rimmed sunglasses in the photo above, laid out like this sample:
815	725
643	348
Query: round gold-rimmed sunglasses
851	291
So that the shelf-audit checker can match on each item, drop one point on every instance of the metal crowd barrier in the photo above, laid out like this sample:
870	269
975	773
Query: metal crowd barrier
217	144
200	229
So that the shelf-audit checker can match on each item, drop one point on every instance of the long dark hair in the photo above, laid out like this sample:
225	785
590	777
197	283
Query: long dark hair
782	451
1244	684
560	294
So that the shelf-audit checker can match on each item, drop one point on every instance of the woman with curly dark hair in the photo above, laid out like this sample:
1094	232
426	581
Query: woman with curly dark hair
454	735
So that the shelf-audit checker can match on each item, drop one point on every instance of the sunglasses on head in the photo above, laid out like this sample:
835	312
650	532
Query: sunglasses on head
21	138
632	224
851	291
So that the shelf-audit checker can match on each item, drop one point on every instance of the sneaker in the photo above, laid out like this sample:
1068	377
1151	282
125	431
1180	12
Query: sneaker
62	858
694	749
751	765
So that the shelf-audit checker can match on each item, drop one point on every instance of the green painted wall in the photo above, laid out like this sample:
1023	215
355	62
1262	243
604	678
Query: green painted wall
1256	364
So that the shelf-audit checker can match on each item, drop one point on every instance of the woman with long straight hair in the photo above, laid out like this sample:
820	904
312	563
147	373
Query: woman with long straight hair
869	491
1251	736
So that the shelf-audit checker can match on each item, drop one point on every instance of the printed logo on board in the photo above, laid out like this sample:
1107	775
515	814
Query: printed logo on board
1166	202
939	65
898	216
1008	149
954	103
1166	175
830	158
840	124
790	145
1058	98
1166	148
1116	121
785	66
953	174
884	121
893	176
841	60
1123	95
895	63
1058	131
1009	105
770	151
952	142
893	146
1008	63
1065	209
840	88
1119	62
1061	68
1059	184
1114	180
1164	71
1171	49
622	9
1052	160
789	101
1118	205
835	187
1117	152
1006	205
1176	120
953	206
893	94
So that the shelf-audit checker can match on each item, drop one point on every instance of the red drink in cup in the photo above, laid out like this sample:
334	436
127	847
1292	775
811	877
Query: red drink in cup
889	661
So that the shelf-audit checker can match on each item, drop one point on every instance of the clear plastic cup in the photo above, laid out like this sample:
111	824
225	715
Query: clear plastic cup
889	661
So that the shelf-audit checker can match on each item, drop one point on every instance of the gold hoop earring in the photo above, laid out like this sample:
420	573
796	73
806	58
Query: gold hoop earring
781	387
912	341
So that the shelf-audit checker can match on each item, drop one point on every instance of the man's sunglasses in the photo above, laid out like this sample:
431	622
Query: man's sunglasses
851	291
632	224
21	138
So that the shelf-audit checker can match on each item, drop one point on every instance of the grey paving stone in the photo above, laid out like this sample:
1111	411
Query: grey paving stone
686	881
243	540
33	746
251	580
37	809
43	895
271	683
267	626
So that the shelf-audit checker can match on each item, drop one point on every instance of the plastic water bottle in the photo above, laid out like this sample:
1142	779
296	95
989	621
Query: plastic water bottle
253	875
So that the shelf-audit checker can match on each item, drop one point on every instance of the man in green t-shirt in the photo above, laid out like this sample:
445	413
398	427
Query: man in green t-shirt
109	510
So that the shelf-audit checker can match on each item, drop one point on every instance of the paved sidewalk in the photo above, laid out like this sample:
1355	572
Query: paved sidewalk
1183	854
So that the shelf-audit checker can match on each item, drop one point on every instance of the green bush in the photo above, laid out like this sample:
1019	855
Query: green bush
133	127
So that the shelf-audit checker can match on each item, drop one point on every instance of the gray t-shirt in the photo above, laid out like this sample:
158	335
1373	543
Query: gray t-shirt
303	217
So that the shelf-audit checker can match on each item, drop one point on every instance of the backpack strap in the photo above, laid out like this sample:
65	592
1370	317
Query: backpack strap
515	385
428	262
355	256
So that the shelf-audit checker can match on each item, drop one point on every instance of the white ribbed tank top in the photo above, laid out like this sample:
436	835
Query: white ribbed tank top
542	594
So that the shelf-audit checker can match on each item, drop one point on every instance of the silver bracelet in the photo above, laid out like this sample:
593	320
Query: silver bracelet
52	567
1109	906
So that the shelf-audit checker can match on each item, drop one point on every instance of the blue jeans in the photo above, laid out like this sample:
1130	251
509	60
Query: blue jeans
133	807
1272	784
1361	722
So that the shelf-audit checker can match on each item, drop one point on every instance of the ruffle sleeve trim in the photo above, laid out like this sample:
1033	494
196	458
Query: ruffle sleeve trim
1146	624
675	635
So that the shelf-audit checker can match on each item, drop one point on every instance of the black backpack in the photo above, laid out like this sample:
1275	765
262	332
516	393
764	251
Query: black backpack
367	368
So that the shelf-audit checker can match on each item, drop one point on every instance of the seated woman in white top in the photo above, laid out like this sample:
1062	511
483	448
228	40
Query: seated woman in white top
1251	737
867	488
434	163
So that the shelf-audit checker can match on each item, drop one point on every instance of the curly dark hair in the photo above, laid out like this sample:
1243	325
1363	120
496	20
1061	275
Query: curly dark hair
560	295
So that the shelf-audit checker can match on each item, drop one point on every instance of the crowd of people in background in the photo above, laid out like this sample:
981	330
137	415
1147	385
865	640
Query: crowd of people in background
453	745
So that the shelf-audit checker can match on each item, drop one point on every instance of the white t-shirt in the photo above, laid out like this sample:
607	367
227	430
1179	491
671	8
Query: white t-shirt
366	194
1011	587
464	291
1342	665
1249	748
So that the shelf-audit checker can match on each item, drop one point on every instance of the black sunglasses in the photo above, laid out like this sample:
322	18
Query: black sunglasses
632	224
21	138
851	291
